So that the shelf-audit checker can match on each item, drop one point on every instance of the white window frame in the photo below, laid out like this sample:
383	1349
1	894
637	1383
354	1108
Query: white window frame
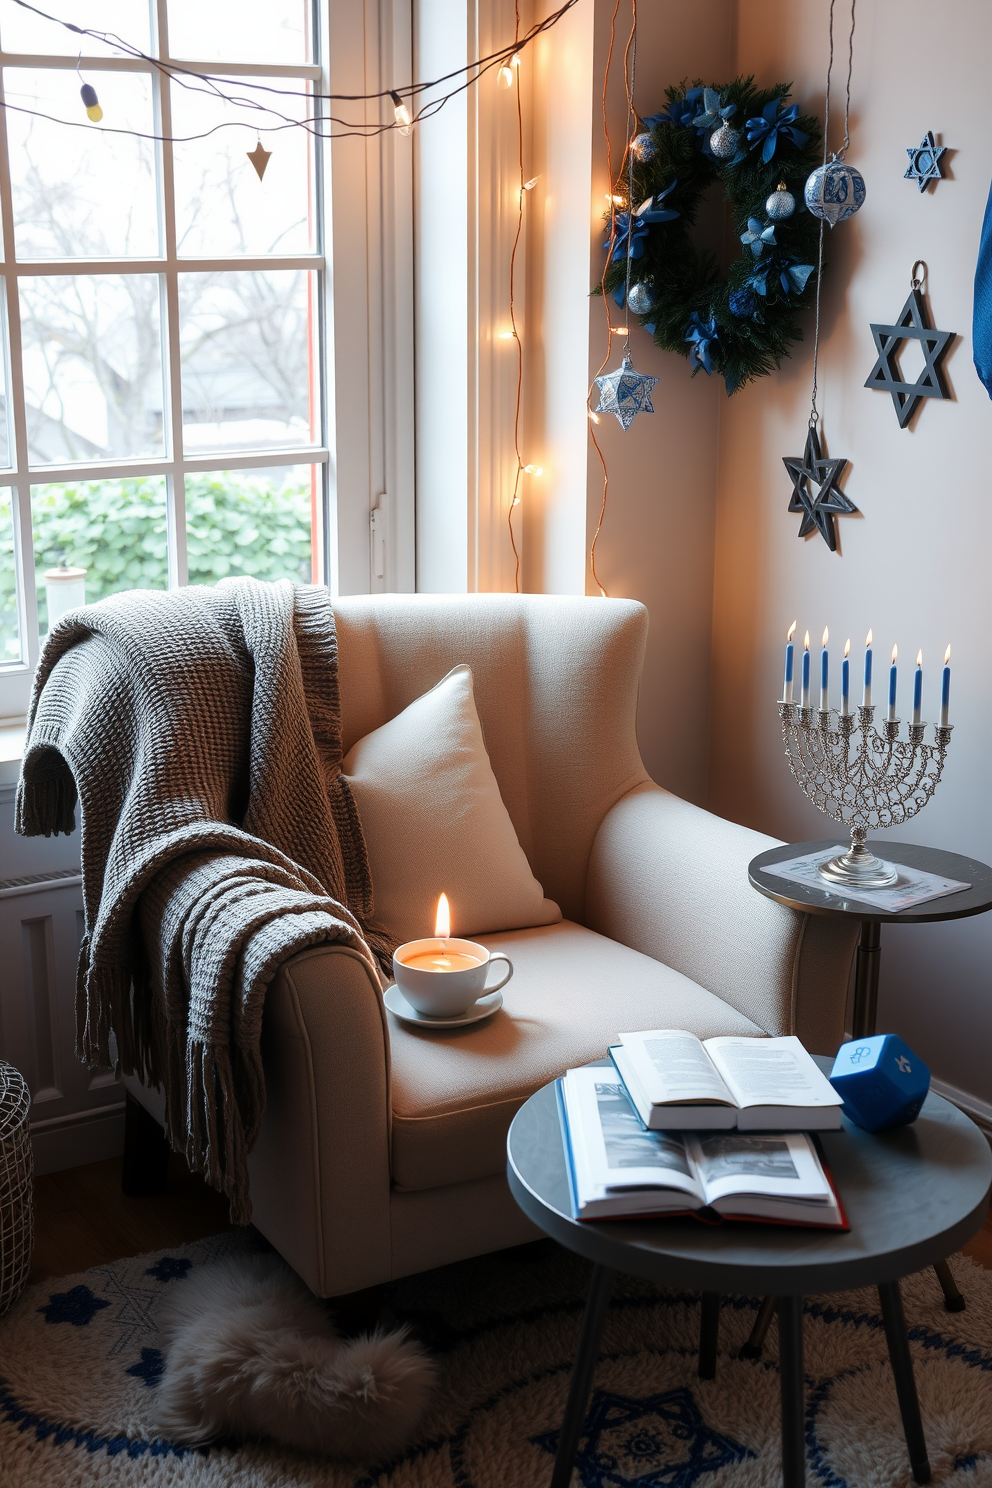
364	397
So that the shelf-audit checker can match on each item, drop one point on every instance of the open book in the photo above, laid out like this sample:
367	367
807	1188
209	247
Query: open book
618	1170
678	1082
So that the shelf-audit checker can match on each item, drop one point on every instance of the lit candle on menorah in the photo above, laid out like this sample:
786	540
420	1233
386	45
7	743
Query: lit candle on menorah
864	777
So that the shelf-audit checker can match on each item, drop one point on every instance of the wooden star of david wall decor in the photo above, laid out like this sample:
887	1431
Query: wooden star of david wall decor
886	376
815	491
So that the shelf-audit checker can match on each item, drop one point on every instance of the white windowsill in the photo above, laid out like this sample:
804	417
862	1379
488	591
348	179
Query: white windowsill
12	734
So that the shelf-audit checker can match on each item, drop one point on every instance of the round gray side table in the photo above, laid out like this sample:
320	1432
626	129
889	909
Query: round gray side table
16	1172
912	1196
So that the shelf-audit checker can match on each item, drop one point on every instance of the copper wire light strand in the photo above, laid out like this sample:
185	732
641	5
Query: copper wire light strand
606	305
513	321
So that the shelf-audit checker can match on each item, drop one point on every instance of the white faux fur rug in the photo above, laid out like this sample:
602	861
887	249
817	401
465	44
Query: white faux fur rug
80	1357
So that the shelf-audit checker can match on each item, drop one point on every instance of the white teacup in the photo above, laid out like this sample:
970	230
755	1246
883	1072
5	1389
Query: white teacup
442	978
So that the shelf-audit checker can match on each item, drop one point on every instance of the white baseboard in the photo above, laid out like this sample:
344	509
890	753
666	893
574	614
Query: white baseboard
73	1141
980	1111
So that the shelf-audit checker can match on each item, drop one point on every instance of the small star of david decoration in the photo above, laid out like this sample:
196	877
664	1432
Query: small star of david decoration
259	158
661	1439
815	491
886	377
924	161
625	393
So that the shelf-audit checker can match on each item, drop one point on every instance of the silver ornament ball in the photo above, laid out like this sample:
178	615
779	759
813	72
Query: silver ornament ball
644	147
641	298
835	191
724	142
780	204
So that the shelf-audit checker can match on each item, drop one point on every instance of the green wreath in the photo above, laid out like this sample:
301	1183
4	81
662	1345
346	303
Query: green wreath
740	326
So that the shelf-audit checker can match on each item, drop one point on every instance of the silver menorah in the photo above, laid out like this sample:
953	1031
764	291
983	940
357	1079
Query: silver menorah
862	777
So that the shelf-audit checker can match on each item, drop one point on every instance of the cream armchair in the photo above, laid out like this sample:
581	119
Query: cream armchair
382	1151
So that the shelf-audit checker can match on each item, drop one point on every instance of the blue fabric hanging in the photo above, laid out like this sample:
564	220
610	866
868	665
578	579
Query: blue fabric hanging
981	334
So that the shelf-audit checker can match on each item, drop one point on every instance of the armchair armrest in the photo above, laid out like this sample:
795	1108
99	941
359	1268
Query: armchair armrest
320	1170
670	880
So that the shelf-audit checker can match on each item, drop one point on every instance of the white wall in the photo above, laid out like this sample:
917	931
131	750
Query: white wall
914	565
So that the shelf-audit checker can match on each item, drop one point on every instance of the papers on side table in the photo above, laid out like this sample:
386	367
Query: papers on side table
912	887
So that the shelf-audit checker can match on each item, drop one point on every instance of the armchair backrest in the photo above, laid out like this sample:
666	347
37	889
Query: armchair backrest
556	688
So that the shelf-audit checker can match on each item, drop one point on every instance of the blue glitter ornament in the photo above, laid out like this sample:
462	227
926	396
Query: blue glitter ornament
625	393
781	203
742	302
835	191
641	298
724	142
643	147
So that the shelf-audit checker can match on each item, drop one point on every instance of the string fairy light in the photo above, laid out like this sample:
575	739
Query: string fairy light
406	110
521	467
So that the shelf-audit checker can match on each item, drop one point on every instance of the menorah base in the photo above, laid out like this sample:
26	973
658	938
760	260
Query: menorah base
859	869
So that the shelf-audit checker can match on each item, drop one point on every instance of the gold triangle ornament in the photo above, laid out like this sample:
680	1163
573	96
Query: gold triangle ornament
259	158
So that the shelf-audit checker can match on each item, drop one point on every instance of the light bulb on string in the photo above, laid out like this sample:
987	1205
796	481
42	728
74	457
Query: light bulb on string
401	114
88	94
515	60
533	470
504	78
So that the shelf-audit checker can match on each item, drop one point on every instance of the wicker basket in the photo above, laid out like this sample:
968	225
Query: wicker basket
16	1169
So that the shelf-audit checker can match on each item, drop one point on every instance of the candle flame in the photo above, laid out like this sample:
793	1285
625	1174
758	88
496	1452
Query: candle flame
895	653
806	641
826	636
868	639
847	647
791	631
947	655
919	658
442	921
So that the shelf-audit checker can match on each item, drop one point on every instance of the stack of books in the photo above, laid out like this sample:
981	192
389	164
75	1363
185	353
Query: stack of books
718	1128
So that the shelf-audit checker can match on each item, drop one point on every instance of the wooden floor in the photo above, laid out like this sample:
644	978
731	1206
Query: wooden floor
82	1219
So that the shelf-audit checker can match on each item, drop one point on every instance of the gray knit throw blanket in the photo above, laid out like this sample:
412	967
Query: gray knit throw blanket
201	730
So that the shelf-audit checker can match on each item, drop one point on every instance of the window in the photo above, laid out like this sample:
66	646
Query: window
162	411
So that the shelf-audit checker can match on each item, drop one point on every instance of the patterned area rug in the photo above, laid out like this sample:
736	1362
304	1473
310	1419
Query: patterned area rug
80	1360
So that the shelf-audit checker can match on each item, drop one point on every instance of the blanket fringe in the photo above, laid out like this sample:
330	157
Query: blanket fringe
48	807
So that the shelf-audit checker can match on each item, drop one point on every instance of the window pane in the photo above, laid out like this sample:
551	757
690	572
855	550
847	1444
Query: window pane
22	31
94	538
222	208
81	193
10	637
92	367
247	359
6	443
253	31
255	522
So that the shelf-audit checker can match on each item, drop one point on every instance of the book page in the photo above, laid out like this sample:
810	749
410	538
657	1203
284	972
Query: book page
674	1068
612	1150
771	1072
785	1165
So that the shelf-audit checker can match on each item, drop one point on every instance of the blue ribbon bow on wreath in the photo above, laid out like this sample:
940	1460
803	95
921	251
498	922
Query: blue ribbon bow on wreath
758	236
622	225
766	128
705	340
681	112
791	275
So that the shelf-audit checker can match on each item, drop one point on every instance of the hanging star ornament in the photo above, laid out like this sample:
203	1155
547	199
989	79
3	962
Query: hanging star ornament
815	491
259	158
924	161
625	393
886	377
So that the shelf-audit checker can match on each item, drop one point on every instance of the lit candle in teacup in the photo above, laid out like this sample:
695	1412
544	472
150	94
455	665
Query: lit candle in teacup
442	977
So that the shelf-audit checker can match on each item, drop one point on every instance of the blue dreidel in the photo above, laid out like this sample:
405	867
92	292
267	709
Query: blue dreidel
883	1082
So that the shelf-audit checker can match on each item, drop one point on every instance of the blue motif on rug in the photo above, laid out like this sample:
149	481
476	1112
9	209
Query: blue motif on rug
149	1367
660	1441
78	1307
170	1268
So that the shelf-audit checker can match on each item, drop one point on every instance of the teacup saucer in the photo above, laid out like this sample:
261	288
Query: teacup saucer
484	1008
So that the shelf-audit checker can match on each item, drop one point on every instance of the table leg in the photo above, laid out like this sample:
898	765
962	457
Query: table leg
790	1364
953	1300
902	1372
709	1334
756	1339
597	1302
866	969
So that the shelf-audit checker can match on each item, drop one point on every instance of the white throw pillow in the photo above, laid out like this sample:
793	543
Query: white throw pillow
435	822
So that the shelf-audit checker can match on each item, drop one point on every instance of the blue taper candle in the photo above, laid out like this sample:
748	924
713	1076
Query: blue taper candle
805	692
892	683
918	688
945	688
790	652
866	695
845	679
824	672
